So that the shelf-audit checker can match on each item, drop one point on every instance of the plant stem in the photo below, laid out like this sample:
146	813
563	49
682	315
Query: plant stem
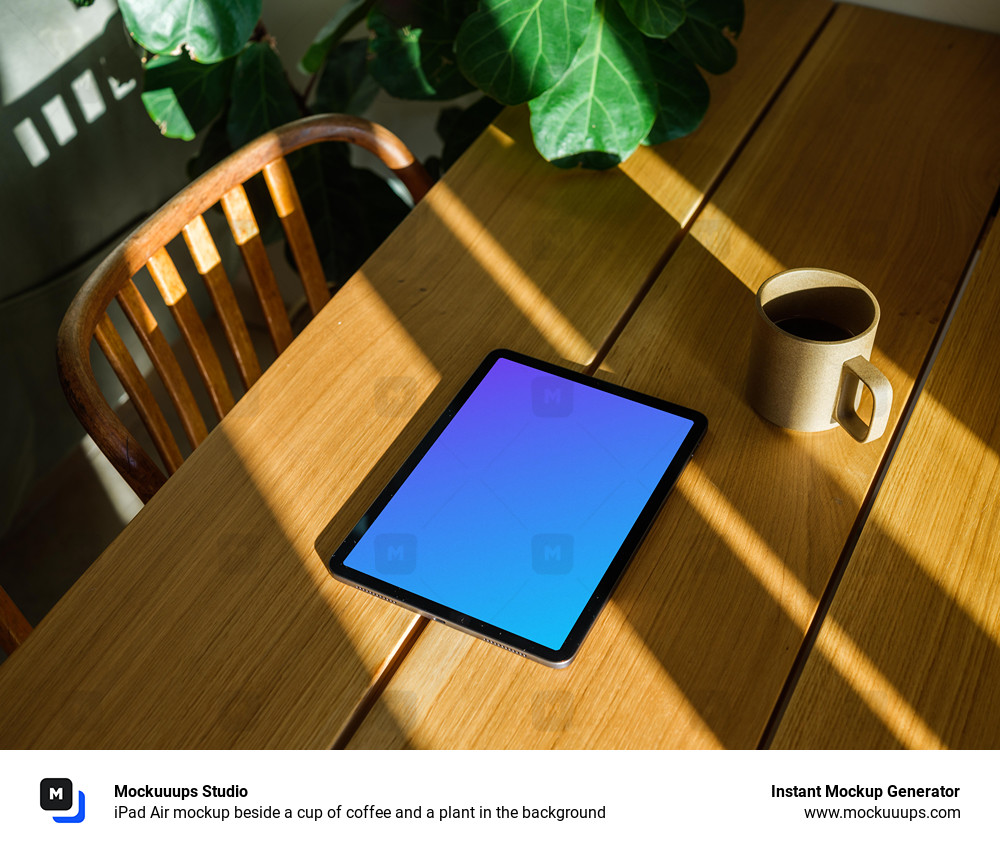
309	85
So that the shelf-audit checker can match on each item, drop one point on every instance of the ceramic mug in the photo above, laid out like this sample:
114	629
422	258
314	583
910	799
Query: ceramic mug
812	339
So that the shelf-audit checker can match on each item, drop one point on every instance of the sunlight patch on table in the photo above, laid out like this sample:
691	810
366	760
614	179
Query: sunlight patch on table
799	605
522	291
500	137
675	194
349	435
732	246
967	457
959	466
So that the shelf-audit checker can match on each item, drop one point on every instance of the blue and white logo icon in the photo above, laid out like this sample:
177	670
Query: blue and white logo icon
56	795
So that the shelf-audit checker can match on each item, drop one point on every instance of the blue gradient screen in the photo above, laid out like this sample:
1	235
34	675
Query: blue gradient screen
515	513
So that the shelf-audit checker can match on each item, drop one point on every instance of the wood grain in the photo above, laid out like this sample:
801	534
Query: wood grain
909	654
211	621
884	169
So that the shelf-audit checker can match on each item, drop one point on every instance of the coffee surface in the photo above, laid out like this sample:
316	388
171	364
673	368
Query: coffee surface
810	327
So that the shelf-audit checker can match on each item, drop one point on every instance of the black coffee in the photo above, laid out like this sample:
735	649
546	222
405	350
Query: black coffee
807	327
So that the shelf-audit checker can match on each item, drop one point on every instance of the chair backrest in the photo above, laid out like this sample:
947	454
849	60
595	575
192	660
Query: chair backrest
87	317
14	628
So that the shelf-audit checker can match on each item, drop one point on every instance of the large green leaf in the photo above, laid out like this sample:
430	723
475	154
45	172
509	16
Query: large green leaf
345	84
183	96
412	48
261	97
513	50
682	91
343	21
655	18
212	30
215	147
605	102
701	37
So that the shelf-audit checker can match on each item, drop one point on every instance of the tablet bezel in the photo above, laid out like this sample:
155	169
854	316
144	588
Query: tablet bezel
590	611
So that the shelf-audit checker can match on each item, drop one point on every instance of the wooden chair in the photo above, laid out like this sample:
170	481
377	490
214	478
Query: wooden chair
87	316
14	628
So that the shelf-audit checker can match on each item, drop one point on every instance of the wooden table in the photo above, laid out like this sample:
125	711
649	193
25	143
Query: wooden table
845	138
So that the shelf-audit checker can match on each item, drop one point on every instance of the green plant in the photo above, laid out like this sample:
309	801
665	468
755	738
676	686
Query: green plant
212	71
600	77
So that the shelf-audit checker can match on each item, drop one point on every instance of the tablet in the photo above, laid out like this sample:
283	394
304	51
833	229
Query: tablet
516	515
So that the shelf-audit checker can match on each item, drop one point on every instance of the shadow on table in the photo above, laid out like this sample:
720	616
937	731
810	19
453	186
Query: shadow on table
707	589
748	626
259	573
904	666
744	547
243	658
777	209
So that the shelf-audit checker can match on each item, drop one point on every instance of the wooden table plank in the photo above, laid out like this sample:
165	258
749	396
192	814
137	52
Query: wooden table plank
909	654
883	168
211	621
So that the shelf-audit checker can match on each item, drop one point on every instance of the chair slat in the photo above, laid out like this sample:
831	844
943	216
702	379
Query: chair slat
176	296
241	220
166	364
14	628
286	199
138	390
209	264
184	213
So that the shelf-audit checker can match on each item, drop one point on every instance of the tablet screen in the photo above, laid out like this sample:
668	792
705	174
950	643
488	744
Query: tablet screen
513	512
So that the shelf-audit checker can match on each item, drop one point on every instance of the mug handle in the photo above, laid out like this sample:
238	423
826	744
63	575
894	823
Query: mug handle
859	369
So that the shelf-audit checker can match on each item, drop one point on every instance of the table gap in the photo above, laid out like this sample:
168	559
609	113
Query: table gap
379	682
826	600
